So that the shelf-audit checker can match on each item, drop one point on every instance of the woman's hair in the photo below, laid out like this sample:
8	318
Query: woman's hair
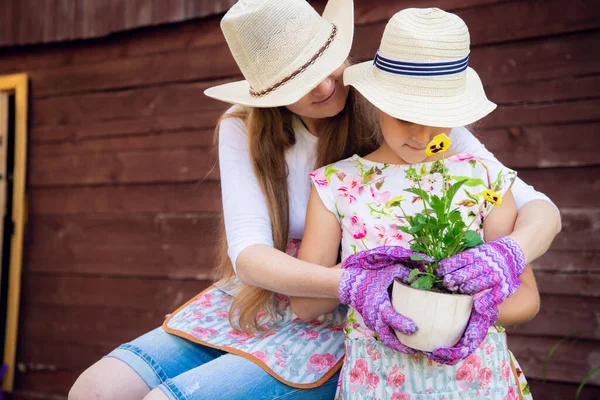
270	134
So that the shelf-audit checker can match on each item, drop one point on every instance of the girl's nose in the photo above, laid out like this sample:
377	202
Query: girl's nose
422	136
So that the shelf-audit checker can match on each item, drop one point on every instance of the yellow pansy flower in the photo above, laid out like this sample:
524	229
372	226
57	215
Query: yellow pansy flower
492	197
439	144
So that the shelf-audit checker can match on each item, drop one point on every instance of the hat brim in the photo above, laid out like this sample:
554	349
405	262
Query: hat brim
445	111
338	12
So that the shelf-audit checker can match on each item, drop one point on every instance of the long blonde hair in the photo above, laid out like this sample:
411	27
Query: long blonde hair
352	131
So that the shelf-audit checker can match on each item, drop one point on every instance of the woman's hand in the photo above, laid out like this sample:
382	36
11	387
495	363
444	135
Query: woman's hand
364	285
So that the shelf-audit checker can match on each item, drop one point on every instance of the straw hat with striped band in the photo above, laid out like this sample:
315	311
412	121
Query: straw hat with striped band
420	72
284	49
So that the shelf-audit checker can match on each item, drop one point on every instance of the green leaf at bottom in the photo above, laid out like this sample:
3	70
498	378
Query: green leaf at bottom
423	283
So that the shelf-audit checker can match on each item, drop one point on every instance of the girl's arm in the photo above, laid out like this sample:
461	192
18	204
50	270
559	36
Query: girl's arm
248	227
525	303
320	245
538	220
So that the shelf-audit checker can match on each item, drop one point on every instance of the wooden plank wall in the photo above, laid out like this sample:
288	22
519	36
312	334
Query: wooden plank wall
46	21
123	196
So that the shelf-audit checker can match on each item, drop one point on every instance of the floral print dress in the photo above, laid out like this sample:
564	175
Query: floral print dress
367	198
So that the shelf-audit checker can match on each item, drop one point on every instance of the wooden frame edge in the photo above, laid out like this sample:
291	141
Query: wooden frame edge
16	84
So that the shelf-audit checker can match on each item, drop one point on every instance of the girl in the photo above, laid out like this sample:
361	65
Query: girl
422	87
299	115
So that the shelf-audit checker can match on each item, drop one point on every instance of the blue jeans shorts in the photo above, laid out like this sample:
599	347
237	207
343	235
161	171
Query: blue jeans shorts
184	370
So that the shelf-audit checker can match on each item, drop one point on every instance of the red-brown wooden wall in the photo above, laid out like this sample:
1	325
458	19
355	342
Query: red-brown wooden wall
123	198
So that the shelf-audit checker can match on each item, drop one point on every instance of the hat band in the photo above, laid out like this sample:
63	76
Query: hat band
412	68
300	70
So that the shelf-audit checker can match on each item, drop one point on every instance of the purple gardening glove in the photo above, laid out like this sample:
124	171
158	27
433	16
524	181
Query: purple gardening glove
364	285
490	273
495	265
474	335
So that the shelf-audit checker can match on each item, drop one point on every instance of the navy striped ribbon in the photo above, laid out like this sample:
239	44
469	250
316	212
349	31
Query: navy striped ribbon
420	69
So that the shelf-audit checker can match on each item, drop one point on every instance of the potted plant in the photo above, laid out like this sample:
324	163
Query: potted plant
439	231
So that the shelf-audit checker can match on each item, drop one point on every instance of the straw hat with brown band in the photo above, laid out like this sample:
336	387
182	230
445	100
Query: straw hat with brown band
284	49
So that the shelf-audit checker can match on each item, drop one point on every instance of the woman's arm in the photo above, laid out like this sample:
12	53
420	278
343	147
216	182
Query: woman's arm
538	223
271	269
248	227
320	245
525	303
538	220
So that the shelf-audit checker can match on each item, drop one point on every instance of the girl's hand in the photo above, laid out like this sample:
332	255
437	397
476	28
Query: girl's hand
472	338
364	285
490	271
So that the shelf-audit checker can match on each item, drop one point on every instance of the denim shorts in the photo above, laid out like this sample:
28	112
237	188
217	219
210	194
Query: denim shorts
186	370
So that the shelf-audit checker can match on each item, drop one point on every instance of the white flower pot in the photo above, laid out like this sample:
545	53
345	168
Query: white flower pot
441	318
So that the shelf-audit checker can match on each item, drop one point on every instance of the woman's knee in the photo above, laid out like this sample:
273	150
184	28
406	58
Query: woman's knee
156	394
108	379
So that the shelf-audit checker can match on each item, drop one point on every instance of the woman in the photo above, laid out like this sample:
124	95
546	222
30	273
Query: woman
297	115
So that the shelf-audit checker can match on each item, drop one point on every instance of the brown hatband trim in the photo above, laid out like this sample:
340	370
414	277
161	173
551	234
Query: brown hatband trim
300	70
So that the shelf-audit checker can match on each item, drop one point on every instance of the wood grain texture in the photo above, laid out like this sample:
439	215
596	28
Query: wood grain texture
48	21
571	361
124	202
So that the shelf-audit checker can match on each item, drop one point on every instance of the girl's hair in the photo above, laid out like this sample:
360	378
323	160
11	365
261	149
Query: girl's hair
352	131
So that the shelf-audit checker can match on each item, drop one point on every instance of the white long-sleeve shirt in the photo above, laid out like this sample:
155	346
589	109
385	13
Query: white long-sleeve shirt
247	220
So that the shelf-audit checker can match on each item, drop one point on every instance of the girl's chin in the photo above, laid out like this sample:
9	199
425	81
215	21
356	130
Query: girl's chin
413	159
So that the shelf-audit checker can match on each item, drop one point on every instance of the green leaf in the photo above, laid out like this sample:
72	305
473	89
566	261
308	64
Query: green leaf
423	240
329	170
419	192
414	229
424	283
584	381
395	201
525	389
367	176
421	219
337	210
470	181
472	197
404	229
416	247
459	226
437	204
411	174
448	240
413	274
416	257
498	182
449	195
472	239
437	166
454	216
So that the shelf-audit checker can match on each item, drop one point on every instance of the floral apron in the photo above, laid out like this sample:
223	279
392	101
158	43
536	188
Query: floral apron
302	354
373	371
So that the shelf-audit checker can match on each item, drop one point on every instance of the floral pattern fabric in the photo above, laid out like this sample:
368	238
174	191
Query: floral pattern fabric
300	353
368	199
373	371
